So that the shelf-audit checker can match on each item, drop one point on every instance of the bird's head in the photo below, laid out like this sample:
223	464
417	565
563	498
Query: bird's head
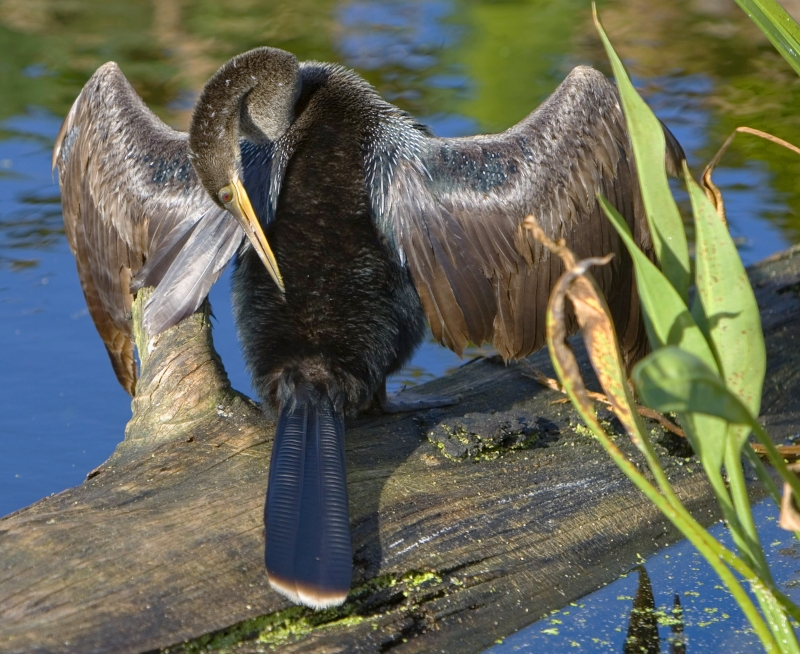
251	96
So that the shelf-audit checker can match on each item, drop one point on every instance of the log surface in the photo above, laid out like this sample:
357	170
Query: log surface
508	510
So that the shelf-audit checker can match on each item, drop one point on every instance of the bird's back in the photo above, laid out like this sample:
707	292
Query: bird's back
349	312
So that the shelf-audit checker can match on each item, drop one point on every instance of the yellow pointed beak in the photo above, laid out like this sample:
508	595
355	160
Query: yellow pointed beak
241	208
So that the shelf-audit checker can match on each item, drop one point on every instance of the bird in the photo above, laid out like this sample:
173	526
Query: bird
350	224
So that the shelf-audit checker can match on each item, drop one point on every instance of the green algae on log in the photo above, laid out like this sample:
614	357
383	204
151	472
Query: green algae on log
163	546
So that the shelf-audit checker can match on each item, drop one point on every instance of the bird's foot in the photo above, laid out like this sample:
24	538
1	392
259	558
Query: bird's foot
405	401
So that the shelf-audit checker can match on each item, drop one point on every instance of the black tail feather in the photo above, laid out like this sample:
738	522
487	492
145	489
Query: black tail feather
308	550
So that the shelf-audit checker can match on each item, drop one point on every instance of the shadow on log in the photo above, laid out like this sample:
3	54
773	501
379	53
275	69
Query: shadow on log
467	523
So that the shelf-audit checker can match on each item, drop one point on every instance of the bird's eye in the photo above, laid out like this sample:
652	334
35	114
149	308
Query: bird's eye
225	195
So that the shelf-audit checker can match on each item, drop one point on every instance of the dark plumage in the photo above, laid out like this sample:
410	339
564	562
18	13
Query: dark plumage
375	224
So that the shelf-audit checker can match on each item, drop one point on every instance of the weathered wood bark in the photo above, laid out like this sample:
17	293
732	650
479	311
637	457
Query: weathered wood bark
165	542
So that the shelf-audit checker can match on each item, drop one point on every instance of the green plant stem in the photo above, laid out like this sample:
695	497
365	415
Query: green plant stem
770	607
670	505
713	551
689	527
747	573
777	620
735	562
746	539
729	513
646	448
728	509
718	486
738	486
763	474
765	478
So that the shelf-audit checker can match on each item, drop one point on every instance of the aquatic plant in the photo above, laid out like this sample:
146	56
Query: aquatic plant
708	357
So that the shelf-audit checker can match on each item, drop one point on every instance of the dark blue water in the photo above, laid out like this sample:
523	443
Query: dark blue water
712	621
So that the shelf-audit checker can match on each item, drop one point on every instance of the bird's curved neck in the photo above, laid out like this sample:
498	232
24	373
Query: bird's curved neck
252	95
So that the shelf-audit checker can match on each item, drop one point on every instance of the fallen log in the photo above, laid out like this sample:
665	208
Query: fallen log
468	523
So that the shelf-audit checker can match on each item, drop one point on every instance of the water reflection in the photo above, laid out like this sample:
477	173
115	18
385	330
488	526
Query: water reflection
386	35
643	636
709	619
398	47
30	210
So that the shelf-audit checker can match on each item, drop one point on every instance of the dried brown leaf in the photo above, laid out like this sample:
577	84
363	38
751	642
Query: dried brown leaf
596	326
711	190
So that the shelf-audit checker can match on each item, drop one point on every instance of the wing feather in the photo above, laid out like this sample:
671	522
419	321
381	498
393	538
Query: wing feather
131	200
454	207
197	266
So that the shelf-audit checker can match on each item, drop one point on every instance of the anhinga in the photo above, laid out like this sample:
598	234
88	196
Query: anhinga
374	224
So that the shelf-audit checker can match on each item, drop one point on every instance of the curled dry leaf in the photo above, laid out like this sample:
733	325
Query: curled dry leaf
711	190
597	330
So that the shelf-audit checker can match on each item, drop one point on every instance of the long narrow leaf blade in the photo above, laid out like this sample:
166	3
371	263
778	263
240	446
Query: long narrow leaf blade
670	323
647	139
667	316
671	379
728	305
778	26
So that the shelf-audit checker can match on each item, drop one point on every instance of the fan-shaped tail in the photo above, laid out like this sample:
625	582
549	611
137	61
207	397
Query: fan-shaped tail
308	550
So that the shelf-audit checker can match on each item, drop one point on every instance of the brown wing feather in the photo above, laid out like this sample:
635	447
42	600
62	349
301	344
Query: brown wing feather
456	207
128	193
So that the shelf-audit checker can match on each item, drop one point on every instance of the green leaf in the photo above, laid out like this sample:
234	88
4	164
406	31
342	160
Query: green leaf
671	379
778	26
730	319
668	319
729	307
729	304
670	323
647	139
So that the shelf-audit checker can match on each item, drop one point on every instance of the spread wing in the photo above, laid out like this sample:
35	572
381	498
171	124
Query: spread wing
135	215
453	209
